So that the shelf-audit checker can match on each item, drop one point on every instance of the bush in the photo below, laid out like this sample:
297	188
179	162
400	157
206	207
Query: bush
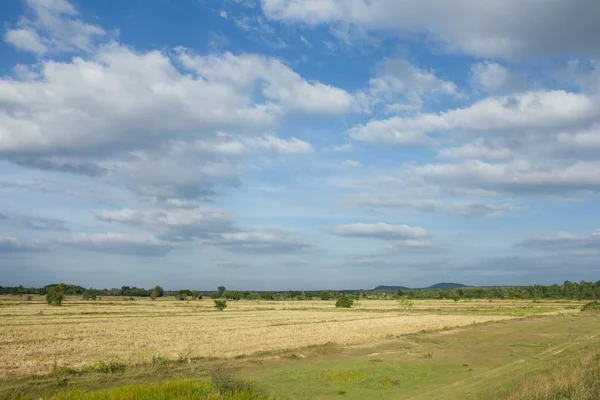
593	306
55	295
405	303
220	304
107	367
325	295
253	296
345	302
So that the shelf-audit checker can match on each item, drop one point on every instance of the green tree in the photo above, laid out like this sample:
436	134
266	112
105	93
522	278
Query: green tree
159	291
55	295
153	294
344	302
405	303
220	304
269	296
253	296
325	295
221	290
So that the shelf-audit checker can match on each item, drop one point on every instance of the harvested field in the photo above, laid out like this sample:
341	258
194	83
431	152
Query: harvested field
35	337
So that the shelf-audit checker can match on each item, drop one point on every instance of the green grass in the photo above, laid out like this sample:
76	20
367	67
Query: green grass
177	390
457	364
484	361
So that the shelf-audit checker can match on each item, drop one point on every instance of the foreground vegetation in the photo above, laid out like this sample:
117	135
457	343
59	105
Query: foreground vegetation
116	348
177	390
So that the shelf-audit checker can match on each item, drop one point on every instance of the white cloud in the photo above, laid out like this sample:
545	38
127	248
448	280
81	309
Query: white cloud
475	209
542	110
278	82
516	178
275	241
397	130
495	78
117	243
399	200
342	148
402	85
55	27
379	230
25	72
483	29
563	241
10	244
173	223
350	164
25	39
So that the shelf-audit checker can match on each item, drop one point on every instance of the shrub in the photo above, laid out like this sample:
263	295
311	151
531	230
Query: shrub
269	296
107	367
55	295
345	302
253	296
405	303
325	295
593	306
226	382
220	304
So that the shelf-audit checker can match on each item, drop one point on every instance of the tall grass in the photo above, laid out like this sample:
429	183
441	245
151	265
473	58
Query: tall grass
184	390
578	379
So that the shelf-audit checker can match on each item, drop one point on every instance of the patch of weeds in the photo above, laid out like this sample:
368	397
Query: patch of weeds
387	382
592	306
106	367
225	380
326	348
159	360
330	375
428	354
185	356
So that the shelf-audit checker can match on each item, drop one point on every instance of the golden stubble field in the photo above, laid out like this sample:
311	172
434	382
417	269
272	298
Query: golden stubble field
34	337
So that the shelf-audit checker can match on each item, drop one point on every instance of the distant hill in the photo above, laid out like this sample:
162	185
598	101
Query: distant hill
446	285
442	285
384	287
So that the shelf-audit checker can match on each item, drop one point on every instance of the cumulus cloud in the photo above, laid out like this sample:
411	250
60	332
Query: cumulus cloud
483	29
173	224
475	209
550	111
277	81
230	264
275	241
402	85
9	244
463	209
350	164
61	164
55	26
563	241
378	230
495	78
117	243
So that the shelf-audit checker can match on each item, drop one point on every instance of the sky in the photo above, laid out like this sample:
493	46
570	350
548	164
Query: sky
299	144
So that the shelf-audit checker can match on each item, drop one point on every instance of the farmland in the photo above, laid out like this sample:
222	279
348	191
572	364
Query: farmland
124	335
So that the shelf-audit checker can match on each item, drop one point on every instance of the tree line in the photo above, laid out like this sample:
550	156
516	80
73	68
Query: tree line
568	290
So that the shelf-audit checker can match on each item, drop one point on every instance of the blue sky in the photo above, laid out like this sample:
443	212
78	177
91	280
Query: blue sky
299	144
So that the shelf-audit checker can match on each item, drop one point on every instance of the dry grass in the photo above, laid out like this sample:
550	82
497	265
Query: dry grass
82	333
578	379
